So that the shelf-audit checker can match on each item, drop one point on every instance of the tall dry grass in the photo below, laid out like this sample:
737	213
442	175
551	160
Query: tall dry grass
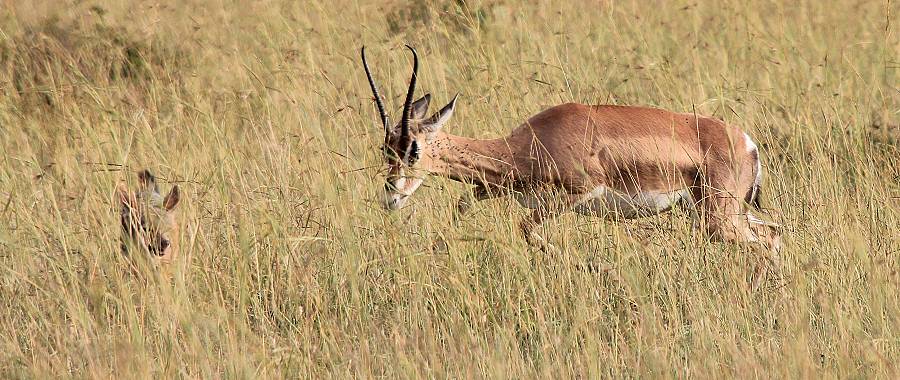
260	112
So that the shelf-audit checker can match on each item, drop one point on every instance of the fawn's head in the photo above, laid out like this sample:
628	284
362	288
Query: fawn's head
148	220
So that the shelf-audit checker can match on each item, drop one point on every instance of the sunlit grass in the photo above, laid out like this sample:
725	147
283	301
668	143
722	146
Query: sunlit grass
260	112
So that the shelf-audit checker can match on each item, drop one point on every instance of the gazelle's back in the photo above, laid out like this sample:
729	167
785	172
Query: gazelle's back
580	146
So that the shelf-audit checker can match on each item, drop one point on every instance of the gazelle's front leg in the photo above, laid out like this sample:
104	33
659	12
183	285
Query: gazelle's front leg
465	202
463	205
768	237
538	216
726	219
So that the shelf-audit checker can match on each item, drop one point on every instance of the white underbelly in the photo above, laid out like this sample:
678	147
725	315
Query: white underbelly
604	201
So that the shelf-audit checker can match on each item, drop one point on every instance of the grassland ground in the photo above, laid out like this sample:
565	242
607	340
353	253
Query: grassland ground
260	112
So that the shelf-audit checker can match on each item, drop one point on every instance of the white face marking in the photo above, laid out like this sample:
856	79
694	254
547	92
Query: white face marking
396	197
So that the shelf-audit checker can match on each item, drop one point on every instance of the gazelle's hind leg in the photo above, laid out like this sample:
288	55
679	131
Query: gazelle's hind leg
528	226
547	211
728	220
768	236
463	204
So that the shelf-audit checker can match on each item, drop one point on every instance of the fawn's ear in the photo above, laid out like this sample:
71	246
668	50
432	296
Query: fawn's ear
172	199
147	181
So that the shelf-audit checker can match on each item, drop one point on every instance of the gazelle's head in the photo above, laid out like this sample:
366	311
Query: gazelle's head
148	220
407	146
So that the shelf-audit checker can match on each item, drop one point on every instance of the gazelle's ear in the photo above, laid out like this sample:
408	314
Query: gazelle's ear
420	107
171	199
437	121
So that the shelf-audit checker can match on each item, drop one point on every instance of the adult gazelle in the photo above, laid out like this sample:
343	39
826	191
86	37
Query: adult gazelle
605	160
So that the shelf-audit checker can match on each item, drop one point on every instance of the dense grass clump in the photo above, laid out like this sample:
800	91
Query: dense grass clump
54	63
260	112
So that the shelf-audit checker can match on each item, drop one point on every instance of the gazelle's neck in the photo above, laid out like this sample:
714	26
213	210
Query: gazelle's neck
484	162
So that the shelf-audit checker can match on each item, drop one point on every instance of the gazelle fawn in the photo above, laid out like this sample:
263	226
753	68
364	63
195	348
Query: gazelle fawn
148	219
613	161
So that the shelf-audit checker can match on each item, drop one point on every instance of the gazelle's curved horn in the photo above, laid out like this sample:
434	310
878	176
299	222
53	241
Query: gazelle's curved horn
384	117
407	105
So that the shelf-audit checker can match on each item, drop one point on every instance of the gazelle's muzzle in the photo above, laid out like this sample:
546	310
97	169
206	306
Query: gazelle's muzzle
397	189
394	201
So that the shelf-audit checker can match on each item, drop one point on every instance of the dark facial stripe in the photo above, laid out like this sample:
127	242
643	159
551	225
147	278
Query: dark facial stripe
133	226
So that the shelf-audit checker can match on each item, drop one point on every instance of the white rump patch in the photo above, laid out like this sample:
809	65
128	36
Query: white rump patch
751	147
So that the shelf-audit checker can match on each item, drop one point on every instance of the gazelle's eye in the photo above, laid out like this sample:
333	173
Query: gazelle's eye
413	152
